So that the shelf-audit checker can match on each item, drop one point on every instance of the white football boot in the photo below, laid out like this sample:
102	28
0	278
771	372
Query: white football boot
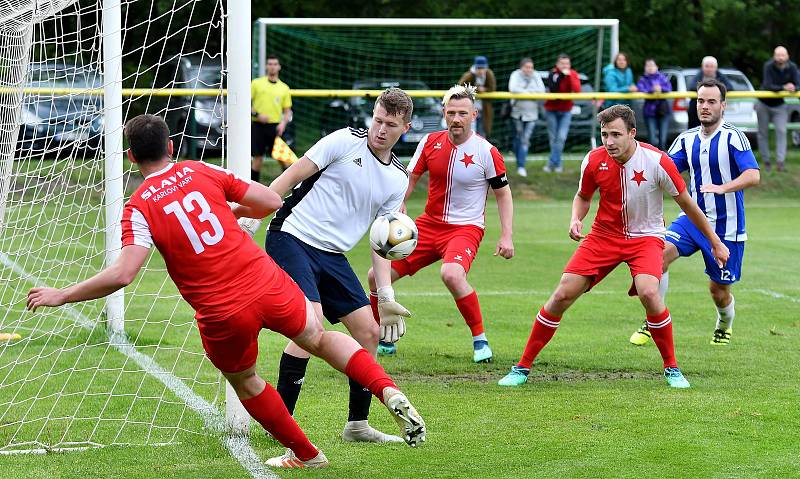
406	416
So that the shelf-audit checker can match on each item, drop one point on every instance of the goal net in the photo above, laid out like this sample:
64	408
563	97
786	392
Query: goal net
80	376
420	54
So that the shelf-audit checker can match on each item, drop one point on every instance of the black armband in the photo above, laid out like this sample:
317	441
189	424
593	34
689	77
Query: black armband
498	181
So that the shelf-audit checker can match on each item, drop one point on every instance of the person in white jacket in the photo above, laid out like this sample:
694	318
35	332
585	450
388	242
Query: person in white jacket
524	113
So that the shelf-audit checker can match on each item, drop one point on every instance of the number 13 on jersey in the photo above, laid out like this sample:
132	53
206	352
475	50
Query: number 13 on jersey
180	210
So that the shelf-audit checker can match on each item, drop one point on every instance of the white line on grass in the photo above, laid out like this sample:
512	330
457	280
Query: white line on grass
532	292
775	294
238	446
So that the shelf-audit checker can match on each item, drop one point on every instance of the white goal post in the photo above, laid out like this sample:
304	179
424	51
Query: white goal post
110	372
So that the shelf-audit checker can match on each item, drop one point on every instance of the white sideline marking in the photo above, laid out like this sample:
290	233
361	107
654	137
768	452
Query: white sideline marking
239	447
775	294
532	292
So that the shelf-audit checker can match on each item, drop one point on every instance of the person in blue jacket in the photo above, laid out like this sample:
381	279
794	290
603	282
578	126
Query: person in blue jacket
656	112
618	77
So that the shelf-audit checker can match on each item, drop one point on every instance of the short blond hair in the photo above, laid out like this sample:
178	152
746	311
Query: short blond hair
457	92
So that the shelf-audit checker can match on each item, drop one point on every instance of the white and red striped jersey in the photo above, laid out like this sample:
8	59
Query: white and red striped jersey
460	176
631	194
183	210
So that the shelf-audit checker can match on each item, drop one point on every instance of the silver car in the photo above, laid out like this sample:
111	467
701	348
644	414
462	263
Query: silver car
740	111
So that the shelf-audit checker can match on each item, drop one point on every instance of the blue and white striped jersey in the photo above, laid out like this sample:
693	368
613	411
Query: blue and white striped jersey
716	159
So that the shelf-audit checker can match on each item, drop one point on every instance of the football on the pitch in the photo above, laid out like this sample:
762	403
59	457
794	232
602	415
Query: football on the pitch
393	235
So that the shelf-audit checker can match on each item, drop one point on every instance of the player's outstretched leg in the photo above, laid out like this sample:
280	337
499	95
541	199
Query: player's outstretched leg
346	355
264	404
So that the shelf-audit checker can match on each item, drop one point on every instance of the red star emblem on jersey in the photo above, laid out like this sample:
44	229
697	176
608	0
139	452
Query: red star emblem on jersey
467	160
638	177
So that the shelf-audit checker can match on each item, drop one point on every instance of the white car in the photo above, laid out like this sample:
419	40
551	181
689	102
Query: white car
740	111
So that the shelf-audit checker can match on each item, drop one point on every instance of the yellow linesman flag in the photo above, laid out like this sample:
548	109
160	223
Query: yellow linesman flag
281	152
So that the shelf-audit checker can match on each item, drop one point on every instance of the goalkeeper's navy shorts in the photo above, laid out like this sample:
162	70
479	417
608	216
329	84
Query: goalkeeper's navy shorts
324	277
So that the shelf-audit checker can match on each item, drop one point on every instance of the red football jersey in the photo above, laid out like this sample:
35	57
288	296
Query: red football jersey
631	195
183	210
460	176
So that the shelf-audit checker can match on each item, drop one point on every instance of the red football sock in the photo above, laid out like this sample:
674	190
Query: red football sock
544	327
373	302
363	368
471	311
660	327
268	409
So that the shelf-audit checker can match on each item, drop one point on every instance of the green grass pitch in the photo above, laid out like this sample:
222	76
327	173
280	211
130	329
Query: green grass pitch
595	406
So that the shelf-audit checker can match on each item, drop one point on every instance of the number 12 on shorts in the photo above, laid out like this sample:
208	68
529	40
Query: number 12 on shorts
180	210
726	275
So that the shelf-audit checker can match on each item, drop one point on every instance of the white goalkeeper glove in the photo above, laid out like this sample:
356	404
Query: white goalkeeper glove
391	313
249	225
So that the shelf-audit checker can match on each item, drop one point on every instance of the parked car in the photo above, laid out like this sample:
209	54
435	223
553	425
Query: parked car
57	124
739	112
580	129
196	122
357	112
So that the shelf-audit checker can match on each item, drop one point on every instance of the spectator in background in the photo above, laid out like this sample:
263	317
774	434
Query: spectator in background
618	77
780	74
271	110
561	79
709	70
524	113
482	77
656	112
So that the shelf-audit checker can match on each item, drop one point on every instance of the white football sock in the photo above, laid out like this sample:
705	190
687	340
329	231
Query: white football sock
480	337
663	285
725	315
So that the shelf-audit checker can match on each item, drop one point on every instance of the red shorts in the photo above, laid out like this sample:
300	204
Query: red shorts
597	256
231	342
440	240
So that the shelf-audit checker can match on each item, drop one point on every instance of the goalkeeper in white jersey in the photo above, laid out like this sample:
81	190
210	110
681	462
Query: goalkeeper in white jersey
338	188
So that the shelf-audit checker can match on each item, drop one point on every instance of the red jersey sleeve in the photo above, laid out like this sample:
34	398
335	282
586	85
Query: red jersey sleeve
670	179
496	170
135	229
498	166
419	162
587	184
233	185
